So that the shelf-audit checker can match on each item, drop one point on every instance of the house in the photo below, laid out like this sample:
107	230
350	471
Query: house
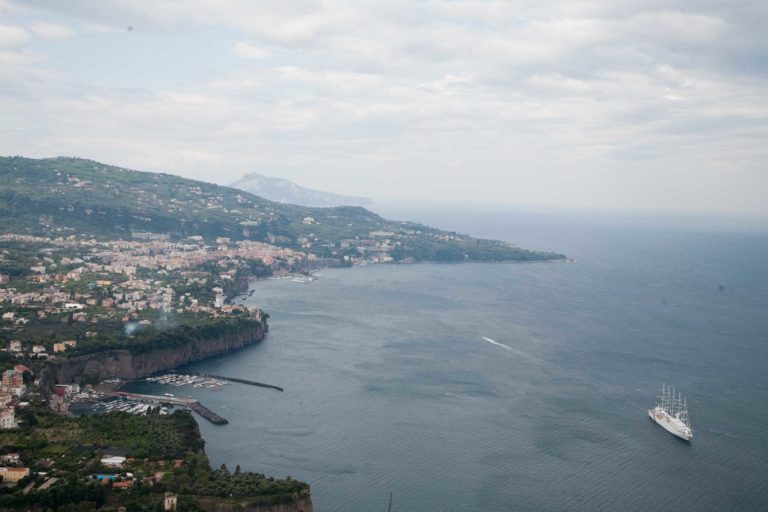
59	404
170	501
122	485
59	347
13	474
7	419
114	461
14	345
9	316
12	379
10	458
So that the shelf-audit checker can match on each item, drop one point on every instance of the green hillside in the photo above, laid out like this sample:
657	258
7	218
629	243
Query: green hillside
66	196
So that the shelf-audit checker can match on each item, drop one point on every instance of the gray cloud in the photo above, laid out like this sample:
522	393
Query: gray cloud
602	104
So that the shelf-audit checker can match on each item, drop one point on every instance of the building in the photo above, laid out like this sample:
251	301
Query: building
4	278
14	345
7	418
12	379
10	458
59	347
13	474
113	461
170	501
59	404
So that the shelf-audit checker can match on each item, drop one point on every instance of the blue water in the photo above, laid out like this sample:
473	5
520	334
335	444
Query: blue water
391	388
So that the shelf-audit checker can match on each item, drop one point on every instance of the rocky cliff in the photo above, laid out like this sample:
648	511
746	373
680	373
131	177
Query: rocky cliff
126	365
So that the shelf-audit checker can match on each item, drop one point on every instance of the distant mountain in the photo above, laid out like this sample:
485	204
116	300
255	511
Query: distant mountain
70	196
286	191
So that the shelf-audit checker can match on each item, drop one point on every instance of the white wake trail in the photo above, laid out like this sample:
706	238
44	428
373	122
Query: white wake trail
489	340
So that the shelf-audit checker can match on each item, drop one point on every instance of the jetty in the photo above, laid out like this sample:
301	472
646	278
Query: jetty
240	381
207	413
191	403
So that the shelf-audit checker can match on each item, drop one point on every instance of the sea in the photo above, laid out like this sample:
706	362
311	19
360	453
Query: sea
515	386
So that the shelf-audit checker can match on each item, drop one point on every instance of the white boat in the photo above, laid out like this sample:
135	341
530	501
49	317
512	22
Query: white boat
672	413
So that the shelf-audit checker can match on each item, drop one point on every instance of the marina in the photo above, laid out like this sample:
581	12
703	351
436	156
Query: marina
196	381
191	403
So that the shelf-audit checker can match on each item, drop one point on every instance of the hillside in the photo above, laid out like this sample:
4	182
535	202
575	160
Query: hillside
71	196
286	191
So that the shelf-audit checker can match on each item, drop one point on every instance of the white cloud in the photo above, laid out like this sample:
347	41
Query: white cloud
249	51
51	30
12	37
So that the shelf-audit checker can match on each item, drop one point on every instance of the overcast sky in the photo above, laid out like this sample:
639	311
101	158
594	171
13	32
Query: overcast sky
636	104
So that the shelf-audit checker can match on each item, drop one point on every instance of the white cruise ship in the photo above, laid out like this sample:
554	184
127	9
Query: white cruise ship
672	413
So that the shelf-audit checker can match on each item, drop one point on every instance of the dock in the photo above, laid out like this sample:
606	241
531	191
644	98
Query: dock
191	403
240	381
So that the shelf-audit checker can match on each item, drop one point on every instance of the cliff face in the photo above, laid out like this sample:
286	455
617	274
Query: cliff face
124	365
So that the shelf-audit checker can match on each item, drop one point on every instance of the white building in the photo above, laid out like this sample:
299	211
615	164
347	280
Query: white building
7	418
114	461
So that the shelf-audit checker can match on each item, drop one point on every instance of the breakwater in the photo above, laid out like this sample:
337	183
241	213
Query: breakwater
207	413
235	379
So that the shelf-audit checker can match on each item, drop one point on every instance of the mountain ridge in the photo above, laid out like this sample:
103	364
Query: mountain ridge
283	190
64	196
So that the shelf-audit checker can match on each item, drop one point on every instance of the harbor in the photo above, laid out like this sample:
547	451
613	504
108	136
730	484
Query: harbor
111	396
190	403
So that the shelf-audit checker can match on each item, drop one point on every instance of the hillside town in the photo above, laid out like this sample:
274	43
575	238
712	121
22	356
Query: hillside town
62	297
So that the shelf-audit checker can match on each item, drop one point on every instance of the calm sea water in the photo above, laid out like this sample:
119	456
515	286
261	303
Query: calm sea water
390	386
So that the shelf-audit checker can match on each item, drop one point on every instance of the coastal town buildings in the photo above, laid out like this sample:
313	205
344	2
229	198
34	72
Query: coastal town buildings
13	475
7	418
113	461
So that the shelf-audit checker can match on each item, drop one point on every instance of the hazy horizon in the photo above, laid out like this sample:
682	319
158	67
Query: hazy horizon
633	106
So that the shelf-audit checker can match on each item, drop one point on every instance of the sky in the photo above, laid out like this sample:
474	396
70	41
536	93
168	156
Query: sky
644	105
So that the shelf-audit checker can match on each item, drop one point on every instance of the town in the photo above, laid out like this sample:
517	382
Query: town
65	297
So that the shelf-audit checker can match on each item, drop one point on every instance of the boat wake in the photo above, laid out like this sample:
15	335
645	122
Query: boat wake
494	342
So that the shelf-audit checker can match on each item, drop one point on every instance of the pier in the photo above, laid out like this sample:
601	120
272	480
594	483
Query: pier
185	402
235	379
207	413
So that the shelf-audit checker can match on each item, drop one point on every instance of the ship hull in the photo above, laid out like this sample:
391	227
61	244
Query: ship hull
670	425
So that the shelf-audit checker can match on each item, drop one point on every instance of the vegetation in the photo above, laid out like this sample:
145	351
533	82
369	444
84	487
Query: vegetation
164	453
161	337
65	196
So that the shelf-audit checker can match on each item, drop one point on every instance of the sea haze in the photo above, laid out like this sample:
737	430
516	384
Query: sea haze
390	386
